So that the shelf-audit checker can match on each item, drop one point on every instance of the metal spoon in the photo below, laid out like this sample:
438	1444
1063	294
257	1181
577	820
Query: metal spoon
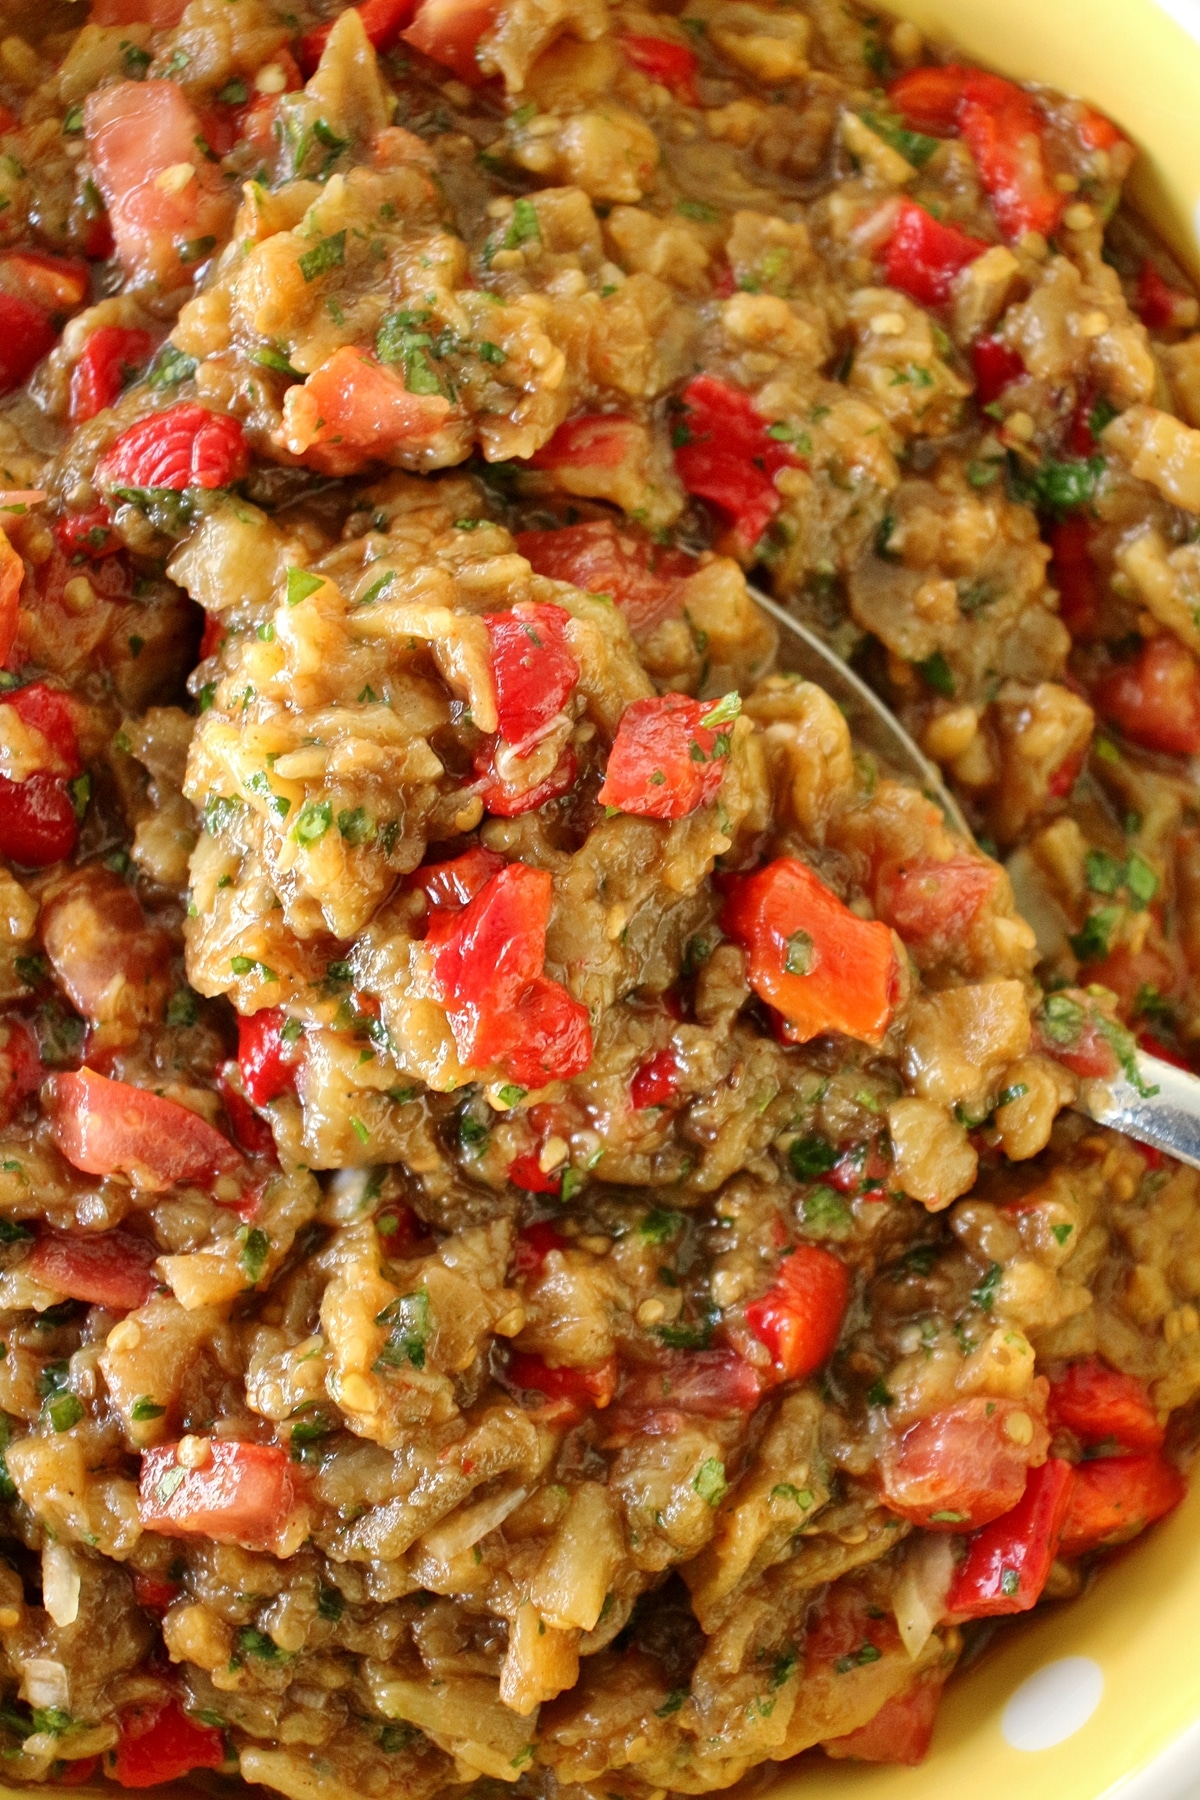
1167	1115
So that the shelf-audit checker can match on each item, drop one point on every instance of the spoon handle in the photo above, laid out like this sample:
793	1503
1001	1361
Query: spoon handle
1166	1116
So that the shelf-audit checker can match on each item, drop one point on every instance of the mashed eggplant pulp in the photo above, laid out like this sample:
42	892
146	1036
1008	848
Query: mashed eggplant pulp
542	1238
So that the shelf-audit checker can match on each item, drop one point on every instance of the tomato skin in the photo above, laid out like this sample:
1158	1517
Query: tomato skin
931	903
900	1732
584	1388
26	335
113	1269
353	410
161	1743
1115	1497
110	1127
488	959
923	256
533	670
241	1495
655	1082
928	98
265	1057
960	1468
185	446
728	455
1155	699
456	882
665	762
1100	1404
799	1318
448	32
99	375
848	986
1008	1563
672	65
643	580
995	366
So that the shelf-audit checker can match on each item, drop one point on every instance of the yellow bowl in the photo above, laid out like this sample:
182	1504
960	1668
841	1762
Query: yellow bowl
1103	1693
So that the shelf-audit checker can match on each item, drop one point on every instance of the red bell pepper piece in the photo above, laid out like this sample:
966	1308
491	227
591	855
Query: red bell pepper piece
592	441
584	1388
724	452
1155	699
672	65
241	1495
185	446
1074	576
267	1058
1008	1563
665	761
809	956
644	580
962	1467
655	1082
12	575
533	670
923	256
1158	303
159	1742
383	21
488	973
39	823
1097	132
536	1241
1100	1405
1115	1497
87	536
448	32
505	800
456	882
113	1269
526	1172
928	98
995	365
1001	124
26	335
110	358
800	1317
252	1135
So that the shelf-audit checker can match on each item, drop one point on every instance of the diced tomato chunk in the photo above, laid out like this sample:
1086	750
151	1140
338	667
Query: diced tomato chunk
812	959
1008	1563
488	959
111	356
1073	575
672	65
1115	1497
107	1268
353	410
964	1466
12	574
87	536
1100	1405
52	713
383	21
933	903
536	1241
592	1386
112	1128
666	761
533	670
655	1082
923	256
266	1057
187	446
527	1173
842	1623
705	1384
800	1317
902	1729
454	883
135	131
724	452
243	1494
1155	699
26	335
601	557
20	1068
161	1743
596	441
928	98
448	32
38	821
1003	128
995	365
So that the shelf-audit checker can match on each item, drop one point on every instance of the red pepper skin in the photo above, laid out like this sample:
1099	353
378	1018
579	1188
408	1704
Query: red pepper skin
266	1059
641	578
456	882
672	65
1115	1497
185	446
995	366
923	256
1157	301
88	536
26	335
928	98
1008	1563
932	903
38	821
590	441
665	762
154	1593
504	800
1100	1405
1001	124
655	1082
800	1317
110	355
252	1135
241	1495
161	1744
726	454
1155	699
383	21
526	1172
533	670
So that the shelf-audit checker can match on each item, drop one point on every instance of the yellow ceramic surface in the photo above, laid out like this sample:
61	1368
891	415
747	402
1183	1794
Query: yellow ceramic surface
1115	1676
